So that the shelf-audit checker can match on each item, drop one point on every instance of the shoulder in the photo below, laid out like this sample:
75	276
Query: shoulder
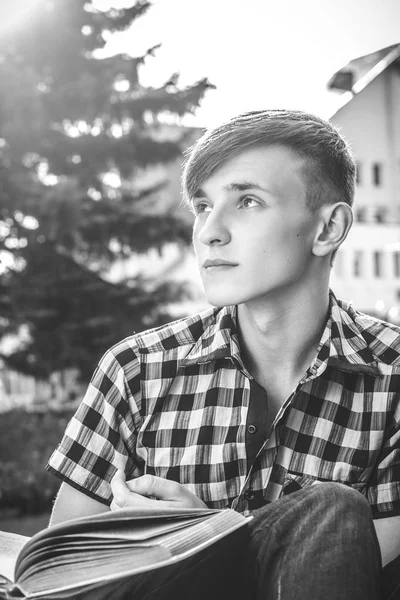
382	338
182	333
143	356
177	337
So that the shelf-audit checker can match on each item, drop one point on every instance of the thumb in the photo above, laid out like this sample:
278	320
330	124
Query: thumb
119	488
151	486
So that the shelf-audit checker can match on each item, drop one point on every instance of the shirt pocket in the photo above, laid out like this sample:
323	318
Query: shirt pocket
294	482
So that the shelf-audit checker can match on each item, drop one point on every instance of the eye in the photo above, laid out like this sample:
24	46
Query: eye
249	201
200	207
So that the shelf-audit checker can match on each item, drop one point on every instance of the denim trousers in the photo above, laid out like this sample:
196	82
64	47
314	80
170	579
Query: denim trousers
318	543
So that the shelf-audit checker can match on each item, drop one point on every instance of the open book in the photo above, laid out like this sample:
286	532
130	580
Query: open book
90	552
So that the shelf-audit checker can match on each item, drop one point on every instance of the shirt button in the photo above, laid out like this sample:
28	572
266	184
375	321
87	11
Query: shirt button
252	429
249	495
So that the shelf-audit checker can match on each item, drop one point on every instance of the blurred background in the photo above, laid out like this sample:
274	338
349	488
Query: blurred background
98	102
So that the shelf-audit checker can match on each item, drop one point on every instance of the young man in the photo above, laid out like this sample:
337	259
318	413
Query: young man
279	387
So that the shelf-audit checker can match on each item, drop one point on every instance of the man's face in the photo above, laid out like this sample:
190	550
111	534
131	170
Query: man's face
252	218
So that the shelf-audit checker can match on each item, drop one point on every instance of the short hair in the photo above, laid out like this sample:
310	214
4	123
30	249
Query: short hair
329	167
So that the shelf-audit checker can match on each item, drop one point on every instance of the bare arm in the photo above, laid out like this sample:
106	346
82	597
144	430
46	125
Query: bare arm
71	504
388	533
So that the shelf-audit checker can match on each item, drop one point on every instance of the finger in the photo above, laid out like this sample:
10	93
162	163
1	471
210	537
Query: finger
119	489
114	506
136	501
156	487
123	497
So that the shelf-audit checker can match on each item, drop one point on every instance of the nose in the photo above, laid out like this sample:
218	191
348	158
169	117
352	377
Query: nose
214	229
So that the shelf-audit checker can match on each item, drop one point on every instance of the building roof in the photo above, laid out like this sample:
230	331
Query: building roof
359	72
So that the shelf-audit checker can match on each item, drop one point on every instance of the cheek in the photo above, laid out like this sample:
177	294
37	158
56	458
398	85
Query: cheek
195	240
277	249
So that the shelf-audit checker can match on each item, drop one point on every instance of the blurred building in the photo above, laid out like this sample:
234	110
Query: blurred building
367	268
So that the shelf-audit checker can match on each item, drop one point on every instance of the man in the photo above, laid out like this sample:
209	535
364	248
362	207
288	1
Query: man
276	389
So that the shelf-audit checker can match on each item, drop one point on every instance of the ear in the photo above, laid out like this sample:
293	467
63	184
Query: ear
334	225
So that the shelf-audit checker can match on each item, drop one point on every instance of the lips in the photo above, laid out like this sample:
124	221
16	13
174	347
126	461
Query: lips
218	262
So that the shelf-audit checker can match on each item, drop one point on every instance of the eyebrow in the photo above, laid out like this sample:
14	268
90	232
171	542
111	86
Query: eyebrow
240	186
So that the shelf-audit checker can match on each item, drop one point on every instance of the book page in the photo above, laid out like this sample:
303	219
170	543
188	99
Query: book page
110	521
97	568
115	537
11	545
76	554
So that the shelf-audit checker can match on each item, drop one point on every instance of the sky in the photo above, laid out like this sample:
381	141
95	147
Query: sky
259	53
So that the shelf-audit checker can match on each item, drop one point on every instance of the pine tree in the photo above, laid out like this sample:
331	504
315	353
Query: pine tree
66	119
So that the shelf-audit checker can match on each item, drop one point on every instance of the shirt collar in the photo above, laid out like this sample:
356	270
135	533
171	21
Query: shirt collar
219	340
342	344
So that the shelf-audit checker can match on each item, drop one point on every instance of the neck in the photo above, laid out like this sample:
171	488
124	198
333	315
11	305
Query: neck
281	336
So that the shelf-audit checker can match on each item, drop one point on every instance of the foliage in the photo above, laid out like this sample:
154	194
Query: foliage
67	119
26	443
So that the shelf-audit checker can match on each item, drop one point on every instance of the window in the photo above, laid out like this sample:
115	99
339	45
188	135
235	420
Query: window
377	174
381	214
358	263
377	263
358	173
361	215
396	257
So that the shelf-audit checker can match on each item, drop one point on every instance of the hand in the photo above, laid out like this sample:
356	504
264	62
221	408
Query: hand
150	491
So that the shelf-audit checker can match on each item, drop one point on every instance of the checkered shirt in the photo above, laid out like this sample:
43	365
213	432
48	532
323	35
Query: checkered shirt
178	402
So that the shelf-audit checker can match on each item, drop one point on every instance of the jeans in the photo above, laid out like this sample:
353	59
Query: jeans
318	543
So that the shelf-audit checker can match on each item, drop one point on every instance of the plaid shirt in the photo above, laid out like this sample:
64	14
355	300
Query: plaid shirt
177	402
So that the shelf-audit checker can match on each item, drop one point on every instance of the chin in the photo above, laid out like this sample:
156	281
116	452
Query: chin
223	298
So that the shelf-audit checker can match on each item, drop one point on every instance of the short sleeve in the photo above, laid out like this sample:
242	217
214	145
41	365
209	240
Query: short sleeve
101	436
384	485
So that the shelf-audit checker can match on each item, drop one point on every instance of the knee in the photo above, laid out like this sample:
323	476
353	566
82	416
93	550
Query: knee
343	499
